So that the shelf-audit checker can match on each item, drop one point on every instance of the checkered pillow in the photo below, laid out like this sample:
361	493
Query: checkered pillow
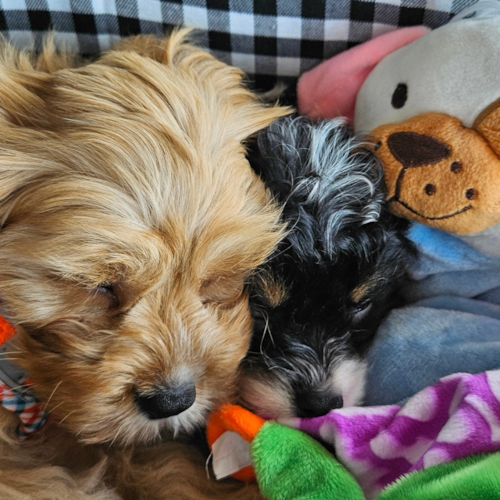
269	39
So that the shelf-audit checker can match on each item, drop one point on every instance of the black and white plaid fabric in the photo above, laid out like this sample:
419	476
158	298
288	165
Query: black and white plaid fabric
269	39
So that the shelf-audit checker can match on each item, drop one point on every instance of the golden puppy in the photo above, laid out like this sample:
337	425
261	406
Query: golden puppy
130	220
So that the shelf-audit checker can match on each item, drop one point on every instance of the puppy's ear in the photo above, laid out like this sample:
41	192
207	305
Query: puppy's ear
25	84
246	111
25	80
255	116
20	101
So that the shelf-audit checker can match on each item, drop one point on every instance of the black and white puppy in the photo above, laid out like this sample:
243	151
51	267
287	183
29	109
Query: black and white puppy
319	300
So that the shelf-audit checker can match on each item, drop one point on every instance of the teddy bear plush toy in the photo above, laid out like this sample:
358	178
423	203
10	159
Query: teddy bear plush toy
429	103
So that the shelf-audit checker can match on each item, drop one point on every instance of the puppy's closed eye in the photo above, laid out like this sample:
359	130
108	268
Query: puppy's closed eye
360	310
106	295
222	290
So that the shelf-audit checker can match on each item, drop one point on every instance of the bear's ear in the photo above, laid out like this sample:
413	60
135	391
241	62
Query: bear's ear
487	124
331	89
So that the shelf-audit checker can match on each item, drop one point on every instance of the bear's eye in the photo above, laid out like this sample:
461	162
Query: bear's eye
399	96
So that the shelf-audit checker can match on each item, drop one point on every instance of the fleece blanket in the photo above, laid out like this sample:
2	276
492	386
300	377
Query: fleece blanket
457	418
451	325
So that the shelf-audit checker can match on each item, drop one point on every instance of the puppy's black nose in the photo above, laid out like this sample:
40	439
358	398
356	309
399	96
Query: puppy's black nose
313	404
166	401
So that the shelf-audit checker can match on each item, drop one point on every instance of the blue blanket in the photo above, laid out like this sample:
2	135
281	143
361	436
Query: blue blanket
451	325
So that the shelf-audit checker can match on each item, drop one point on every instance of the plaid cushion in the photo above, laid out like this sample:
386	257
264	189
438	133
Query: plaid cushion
269	39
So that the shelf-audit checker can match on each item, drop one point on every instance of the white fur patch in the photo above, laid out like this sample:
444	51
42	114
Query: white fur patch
348	378
270	398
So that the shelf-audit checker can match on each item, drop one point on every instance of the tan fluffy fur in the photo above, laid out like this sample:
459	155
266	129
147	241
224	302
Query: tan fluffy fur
128	171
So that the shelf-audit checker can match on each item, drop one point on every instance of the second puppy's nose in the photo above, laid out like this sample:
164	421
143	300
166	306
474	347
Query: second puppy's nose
311	404
166	401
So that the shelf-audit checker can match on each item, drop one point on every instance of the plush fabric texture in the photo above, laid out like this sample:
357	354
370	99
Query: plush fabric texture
291	466
486	242
438	92
330	89
487	124
442	174
451	325
473	478
235	419
7	330
452	95
458	417
452	70
441	444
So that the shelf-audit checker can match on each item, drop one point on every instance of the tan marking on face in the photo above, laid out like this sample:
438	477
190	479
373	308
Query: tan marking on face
273	291
360	293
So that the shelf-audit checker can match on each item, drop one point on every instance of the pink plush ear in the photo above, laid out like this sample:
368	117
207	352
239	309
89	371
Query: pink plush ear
330	89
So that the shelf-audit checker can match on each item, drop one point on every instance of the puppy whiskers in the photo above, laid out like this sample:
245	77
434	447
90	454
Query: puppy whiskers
82	428
10	358
70	413
118	431
267	330
51	395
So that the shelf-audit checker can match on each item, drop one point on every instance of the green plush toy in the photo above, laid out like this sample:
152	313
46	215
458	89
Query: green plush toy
471	478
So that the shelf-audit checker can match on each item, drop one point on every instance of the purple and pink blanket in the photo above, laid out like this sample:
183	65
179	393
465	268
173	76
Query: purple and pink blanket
458	417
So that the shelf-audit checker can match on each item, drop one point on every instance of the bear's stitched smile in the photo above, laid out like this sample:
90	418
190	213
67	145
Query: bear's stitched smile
449	216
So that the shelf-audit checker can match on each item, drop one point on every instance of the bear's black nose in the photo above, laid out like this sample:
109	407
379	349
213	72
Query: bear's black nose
417	150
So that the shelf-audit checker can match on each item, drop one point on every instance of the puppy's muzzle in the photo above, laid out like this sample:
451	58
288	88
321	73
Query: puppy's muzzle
166	401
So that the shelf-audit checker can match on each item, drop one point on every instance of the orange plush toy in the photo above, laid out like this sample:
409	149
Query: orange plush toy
7	330
237	421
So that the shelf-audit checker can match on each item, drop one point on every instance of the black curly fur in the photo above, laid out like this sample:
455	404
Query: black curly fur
341	237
